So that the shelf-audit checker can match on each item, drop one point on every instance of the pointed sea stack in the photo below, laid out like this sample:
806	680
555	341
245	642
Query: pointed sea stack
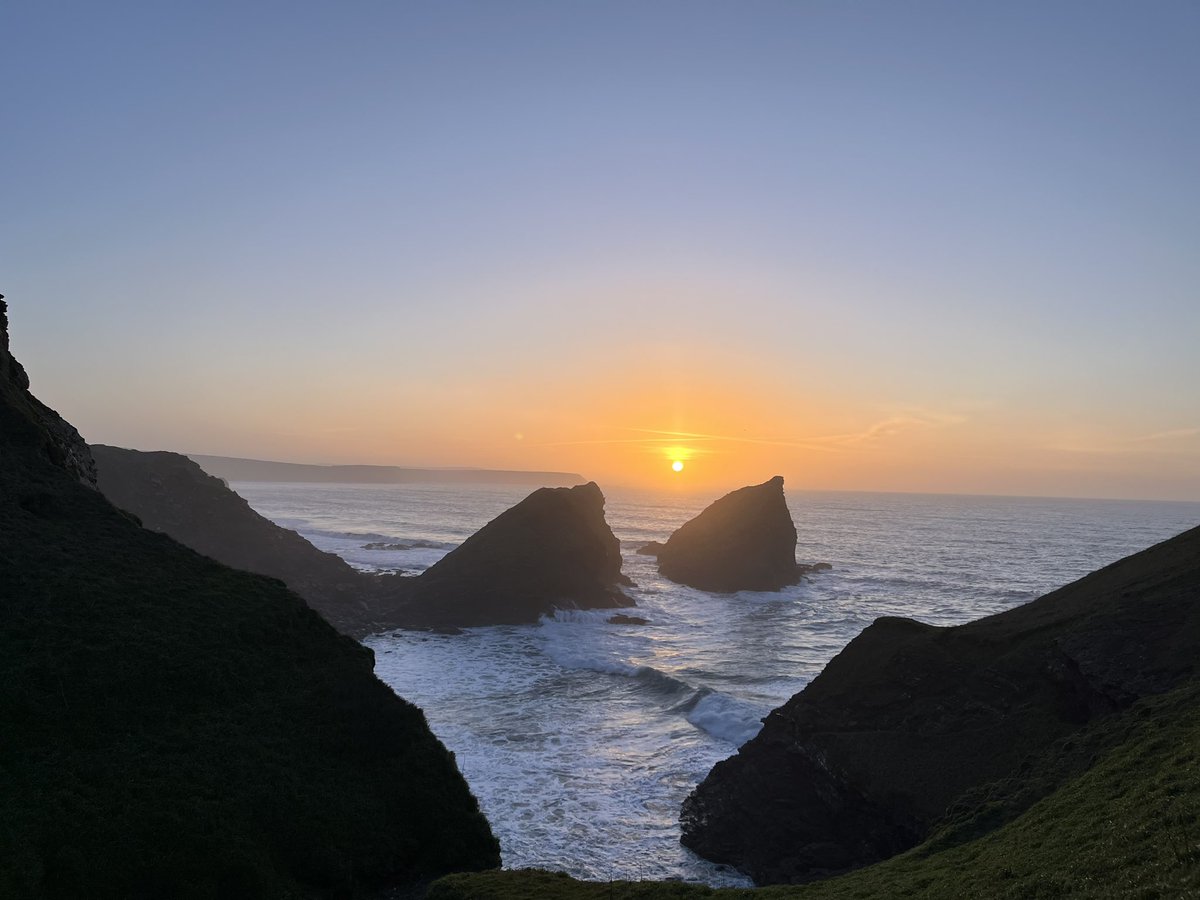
553	550
743	542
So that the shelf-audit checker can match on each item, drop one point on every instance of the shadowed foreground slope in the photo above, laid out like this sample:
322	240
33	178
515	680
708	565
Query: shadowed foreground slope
1110	807
172	727
1128	826
866	760
172	494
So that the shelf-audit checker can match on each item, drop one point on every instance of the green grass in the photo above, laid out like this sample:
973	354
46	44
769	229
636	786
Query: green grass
1124	824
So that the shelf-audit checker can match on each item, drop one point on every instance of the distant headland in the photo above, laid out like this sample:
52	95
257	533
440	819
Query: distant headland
234	469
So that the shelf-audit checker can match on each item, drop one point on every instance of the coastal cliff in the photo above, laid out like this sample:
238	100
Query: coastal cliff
909	719
57	438
553	550
235	469
173	727
170	493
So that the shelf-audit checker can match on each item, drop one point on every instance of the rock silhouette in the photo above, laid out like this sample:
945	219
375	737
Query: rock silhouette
909	718
553	550
170	493
743	542
174	727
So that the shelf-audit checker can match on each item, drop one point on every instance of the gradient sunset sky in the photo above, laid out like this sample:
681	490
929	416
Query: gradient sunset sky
906	246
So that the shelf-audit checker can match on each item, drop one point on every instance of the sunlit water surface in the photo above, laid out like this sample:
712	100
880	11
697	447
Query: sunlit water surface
581	739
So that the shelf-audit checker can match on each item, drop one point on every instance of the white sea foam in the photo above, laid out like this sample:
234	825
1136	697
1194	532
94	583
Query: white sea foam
727	718
581	739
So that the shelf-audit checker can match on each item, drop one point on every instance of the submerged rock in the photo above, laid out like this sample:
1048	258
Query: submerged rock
743	542
651	549
553	550
910	718
621	619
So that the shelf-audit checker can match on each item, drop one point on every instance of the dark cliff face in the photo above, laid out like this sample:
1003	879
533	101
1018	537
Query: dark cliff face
173	727
553	550
58	439
172	494
909	717
743	542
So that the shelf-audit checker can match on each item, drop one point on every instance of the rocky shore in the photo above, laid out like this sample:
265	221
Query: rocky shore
909	719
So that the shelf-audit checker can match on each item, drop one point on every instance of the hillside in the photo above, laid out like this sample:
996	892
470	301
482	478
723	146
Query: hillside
1128	826
551	550
172	494
173	727
867	759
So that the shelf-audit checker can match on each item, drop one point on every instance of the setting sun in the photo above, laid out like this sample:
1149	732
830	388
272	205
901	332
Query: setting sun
677	465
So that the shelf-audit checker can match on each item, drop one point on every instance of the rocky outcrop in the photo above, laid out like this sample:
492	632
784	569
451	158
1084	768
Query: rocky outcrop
743	542
909	718
59	440
172	494
174	727
622	619
553	550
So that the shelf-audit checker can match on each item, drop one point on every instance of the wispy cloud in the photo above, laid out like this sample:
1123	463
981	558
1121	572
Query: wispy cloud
1165	435
906	420
1144	443
895	424
656	438
670	437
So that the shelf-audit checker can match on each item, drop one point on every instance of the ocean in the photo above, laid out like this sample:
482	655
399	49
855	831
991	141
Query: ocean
581	739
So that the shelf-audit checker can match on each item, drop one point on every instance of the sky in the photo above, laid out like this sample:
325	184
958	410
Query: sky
909	246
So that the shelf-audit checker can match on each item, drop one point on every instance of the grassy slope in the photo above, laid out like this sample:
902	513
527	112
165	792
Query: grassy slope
170	727
170	493
1127	826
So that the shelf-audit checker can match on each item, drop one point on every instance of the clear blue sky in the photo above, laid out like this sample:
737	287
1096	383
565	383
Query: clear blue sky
917	246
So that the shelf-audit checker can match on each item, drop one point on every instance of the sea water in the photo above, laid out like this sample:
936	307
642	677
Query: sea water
581	738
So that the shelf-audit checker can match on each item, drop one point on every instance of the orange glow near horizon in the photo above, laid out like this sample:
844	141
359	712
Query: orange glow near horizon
724	431
729	421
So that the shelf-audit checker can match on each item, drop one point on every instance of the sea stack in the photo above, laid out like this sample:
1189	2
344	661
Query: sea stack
743	542
553	550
